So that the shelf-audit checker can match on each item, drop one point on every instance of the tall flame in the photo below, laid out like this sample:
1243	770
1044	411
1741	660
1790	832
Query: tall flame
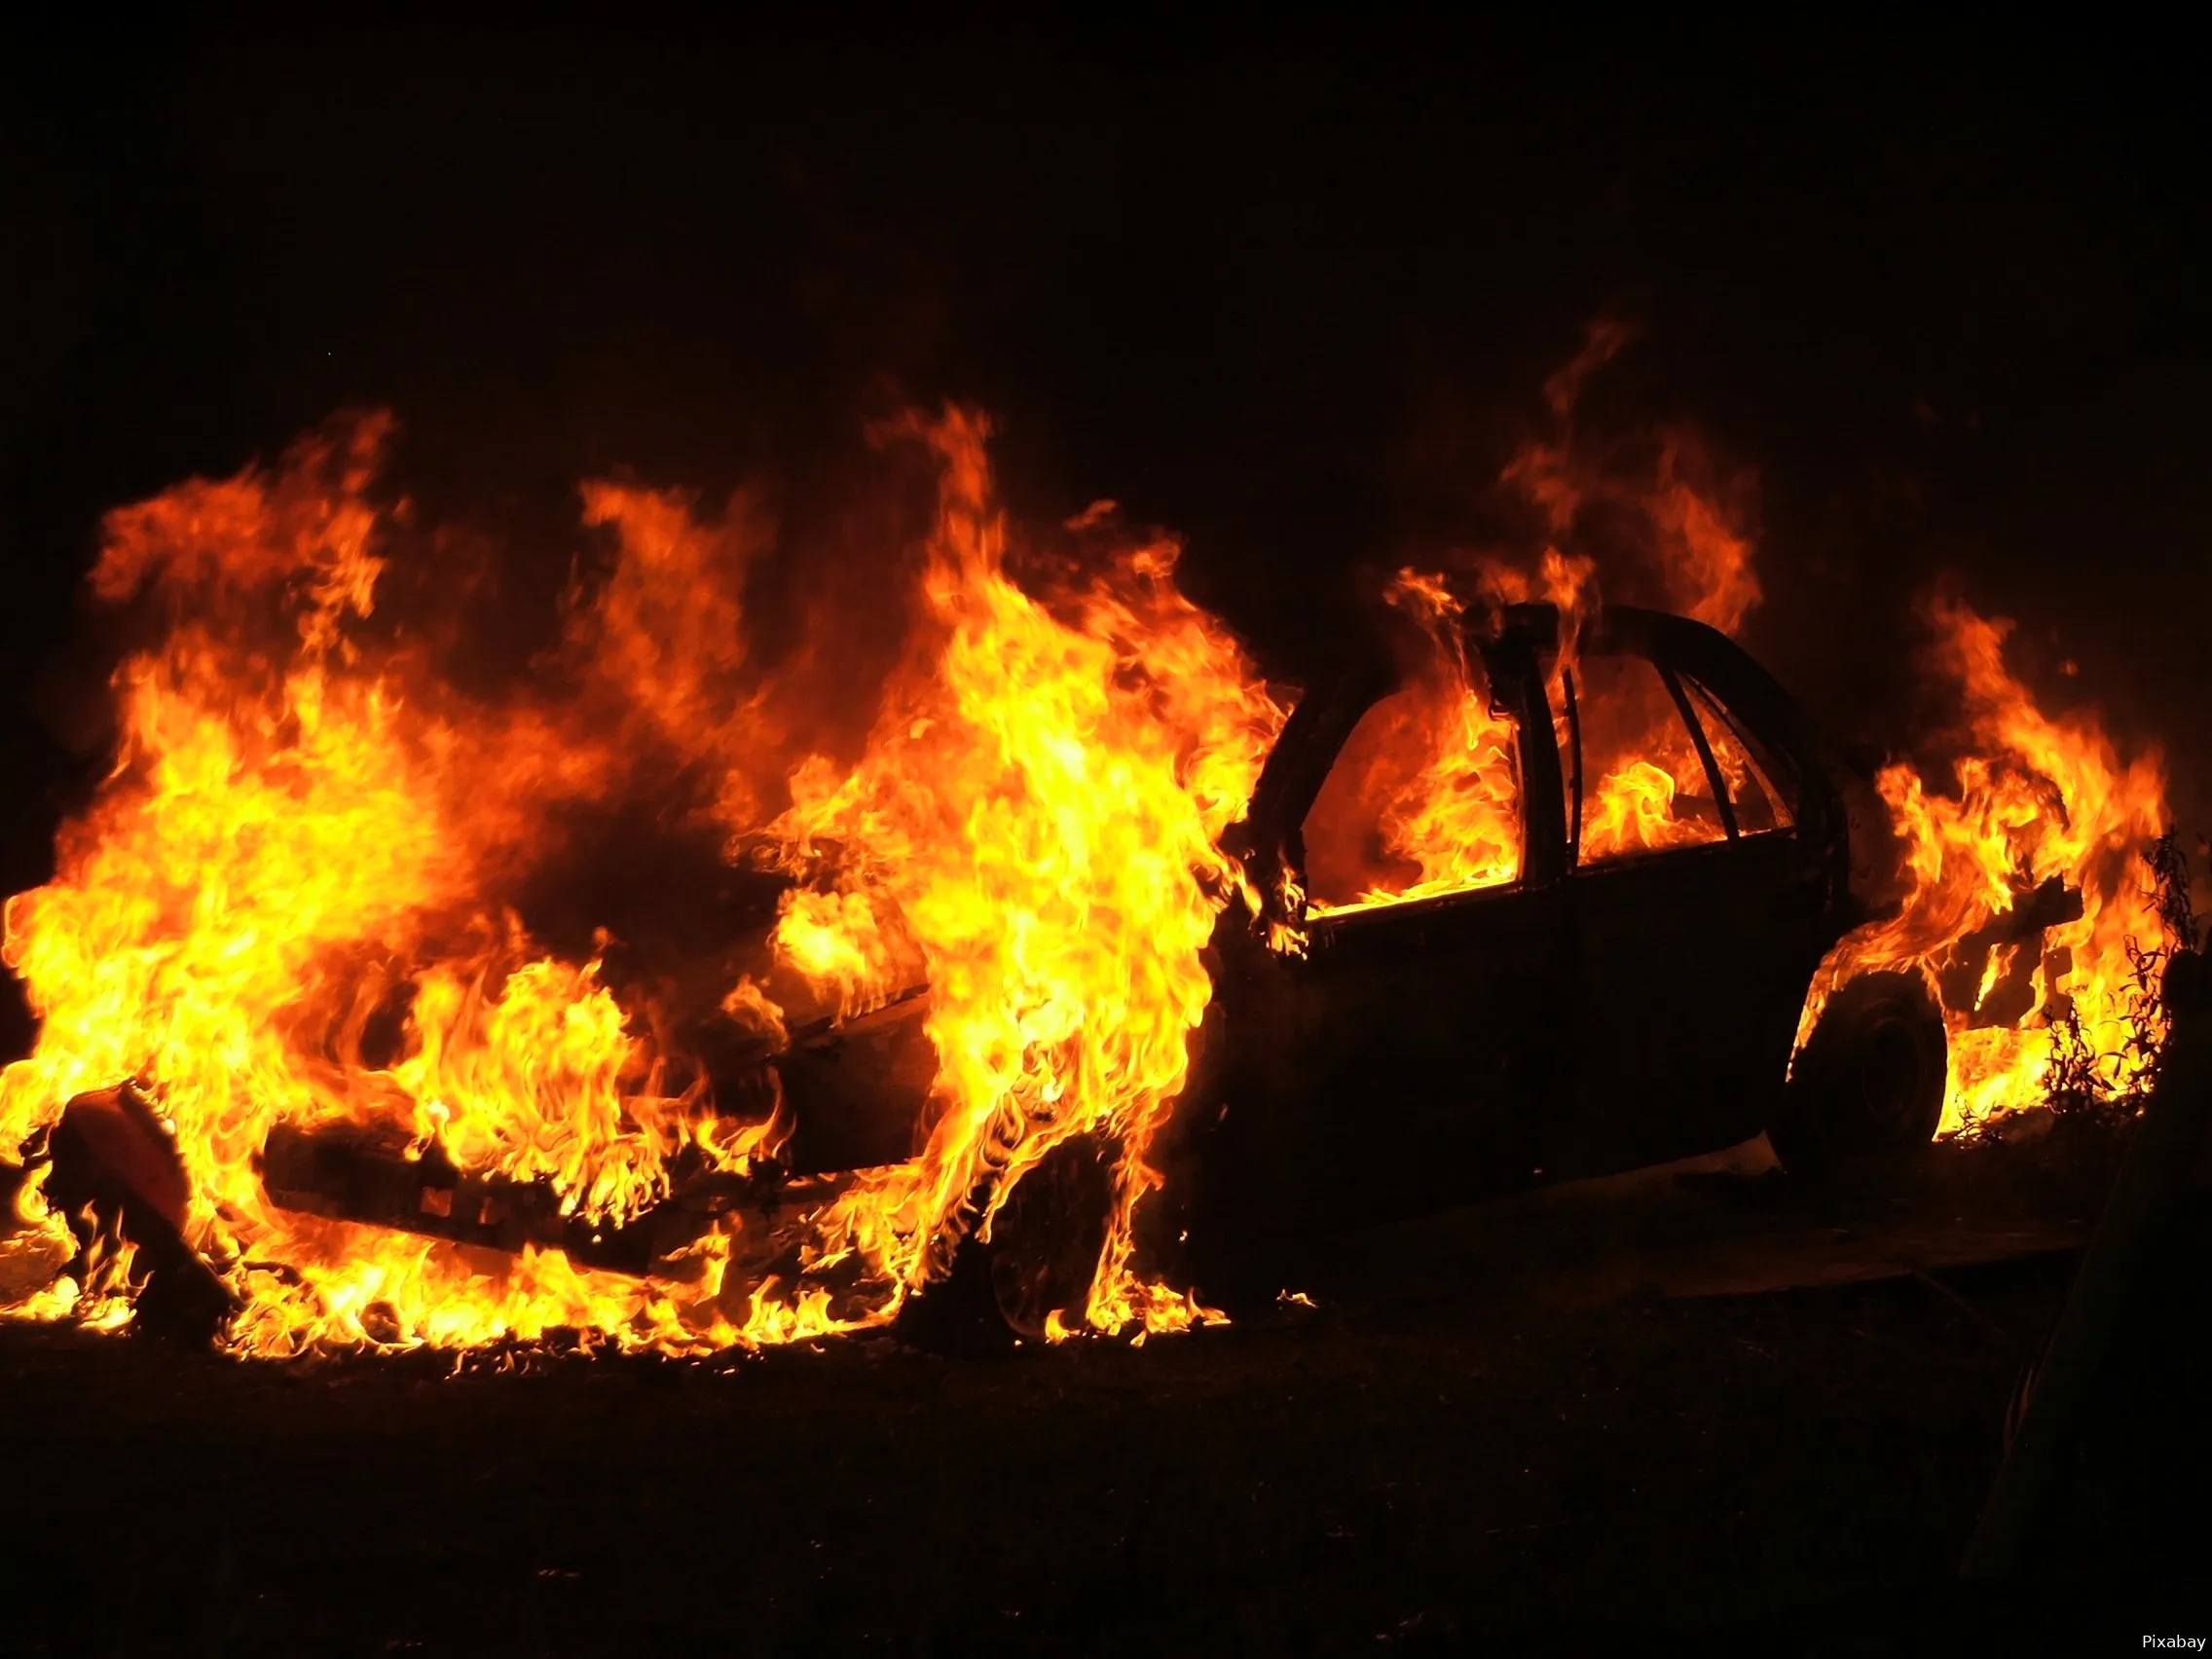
2032	800
1040	809
1424	800
307	835
296	900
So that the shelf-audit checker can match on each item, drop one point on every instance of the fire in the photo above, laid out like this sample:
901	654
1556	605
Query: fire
2032	800
292	901
1041	805
1433	768
285	839
297	901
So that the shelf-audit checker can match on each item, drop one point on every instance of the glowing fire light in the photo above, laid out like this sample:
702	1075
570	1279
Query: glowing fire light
311	838
303	824
2032	800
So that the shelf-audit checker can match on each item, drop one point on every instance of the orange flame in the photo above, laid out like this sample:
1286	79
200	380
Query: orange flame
306	830
309	837
1041	805
1433	768
2034	798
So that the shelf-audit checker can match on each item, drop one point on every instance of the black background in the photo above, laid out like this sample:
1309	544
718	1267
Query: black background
1287	283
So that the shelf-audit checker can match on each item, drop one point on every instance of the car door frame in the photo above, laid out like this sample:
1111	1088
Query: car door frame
1262	1177
1693	963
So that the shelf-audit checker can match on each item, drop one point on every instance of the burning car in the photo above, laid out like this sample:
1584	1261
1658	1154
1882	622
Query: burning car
1626	989
1095	971
1506	1019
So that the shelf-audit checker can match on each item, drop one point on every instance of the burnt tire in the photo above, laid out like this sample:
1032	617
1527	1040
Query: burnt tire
1047	1238
1040	1259
1867	1090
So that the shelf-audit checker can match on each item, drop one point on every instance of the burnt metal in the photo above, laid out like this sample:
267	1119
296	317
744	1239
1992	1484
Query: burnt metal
350	1176
1516	673
853	1088
347	1175
1575	773
1714	780
2047	907
1867	1090
116	1178
1589	1016
1047	1237
1586	1018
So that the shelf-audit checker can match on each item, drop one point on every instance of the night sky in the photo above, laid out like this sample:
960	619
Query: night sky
1290	287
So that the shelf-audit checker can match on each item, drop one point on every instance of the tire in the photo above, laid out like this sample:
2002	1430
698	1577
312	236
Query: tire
1040	1259
1867	1090
1047	1238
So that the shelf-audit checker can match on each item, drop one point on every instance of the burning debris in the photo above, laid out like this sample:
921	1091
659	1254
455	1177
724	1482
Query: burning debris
309	841
1087	912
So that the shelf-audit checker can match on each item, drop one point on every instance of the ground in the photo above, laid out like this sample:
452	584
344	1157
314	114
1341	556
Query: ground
1692	1400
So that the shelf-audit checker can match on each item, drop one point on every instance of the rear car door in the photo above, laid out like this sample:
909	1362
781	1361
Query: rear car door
1701	895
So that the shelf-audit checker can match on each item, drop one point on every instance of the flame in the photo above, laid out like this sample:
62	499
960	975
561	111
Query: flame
296	900
1435	765
1041	806
309	834
1702	548
1664	499
2033	798
286	838
1432	767
1685	522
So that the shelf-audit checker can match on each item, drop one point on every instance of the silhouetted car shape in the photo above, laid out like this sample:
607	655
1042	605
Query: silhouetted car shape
1590	1015
1585	1018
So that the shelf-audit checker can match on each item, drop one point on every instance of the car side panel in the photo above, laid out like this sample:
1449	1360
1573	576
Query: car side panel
1395	1069
1690	969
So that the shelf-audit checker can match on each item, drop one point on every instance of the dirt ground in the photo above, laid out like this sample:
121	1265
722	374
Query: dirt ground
1692	1401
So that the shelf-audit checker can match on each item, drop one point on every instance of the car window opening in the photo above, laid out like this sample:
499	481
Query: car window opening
1715	783
1760	807
1647	783
1423	798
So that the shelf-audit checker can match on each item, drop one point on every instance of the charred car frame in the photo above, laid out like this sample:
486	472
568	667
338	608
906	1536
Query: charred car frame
1589	1016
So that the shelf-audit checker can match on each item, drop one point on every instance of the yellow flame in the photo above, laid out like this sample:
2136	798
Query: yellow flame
307	830
1041	806
2033	797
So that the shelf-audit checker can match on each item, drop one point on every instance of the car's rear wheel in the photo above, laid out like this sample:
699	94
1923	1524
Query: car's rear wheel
1867	1090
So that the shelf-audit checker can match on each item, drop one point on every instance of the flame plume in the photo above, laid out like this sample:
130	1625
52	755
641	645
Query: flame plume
306	830
2033	799
297	900
1041	810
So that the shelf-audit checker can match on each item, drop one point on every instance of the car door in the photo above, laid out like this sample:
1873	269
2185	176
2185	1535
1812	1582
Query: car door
1699	901
1396	1059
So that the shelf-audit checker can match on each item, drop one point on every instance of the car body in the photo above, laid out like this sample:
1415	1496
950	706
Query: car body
1589	1016
1582	1011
